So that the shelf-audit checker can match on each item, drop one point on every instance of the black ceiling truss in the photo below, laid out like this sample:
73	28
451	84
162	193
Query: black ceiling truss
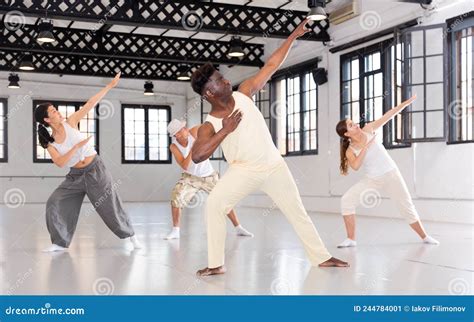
71	64
129	46
100	52
176	14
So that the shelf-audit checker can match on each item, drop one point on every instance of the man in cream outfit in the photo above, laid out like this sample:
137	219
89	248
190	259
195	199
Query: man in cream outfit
255	163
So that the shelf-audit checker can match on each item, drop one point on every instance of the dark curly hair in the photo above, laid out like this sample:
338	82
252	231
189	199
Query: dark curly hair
201	76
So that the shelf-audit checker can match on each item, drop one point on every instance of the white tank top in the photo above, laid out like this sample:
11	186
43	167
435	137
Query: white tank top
377	161
251	144
73	136
201	169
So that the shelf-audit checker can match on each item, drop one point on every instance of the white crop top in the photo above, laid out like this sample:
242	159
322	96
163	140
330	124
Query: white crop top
73	136
377	161
201	169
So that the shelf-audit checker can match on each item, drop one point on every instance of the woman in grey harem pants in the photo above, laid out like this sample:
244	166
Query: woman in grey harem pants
88	176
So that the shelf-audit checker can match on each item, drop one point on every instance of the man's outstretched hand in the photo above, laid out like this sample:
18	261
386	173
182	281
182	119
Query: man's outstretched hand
301	29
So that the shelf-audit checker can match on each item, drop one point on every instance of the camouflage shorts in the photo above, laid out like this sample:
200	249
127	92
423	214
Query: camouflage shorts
188	187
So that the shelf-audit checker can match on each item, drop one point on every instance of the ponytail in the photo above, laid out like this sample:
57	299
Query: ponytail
341	129
343	167
41	112
43	136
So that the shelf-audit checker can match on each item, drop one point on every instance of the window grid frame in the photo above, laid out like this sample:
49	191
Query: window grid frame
4	103
146	108
384	47
408	121
389	131
258	100
301	73
453	61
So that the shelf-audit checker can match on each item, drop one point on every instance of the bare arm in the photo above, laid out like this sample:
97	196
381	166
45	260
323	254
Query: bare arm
61	160
194	130
76	117
252	85
373	126
208	140
182	161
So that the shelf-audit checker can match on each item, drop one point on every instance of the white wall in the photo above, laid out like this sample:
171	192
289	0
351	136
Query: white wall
439	176
147	182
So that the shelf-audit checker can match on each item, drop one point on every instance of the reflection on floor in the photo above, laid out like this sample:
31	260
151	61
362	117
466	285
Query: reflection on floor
389	258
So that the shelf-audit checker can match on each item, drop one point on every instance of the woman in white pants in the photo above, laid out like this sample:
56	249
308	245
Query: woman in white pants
360	150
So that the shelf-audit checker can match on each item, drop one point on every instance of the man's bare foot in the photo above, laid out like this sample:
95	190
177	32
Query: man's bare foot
334	262
211	271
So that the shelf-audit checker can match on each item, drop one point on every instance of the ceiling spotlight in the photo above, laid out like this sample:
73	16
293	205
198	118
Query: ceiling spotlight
27	62
316	10
44	31
13	79
148	89
236	47
183	73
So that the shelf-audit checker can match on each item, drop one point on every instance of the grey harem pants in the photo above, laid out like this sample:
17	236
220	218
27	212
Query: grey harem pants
64	205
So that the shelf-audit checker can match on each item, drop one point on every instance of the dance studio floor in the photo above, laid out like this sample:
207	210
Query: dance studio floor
389	259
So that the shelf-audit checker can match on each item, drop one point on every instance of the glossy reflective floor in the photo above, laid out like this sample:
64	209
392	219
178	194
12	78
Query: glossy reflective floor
388	260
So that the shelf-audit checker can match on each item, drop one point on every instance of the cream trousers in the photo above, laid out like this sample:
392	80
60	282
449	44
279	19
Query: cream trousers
278	184
367	193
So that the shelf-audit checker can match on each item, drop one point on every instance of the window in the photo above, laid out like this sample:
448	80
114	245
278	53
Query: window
3	130
295	106
262	100
205	109
423	51
362	84
89	125
145	137
372	82
393	130
461	81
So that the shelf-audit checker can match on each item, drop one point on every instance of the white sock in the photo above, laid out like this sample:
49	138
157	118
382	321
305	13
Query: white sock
54	248
430	240
241	231
136	243
347	243
173	234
